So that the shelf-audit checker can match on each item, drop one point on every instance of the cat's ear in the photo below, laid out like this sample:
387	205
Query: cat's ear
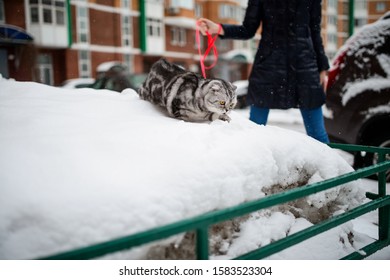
233	86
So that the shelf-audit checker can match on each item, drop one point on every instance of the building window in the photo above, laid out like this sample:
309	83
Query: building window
223	11
332	38
82	24
34	15
44	69
47	16
186	4
128	60
332	20
198	11
2	12
84	64
47	11
228	11
345	8
60	13
332	3
380	7
126	31
345	26
240	14
154	27
360	5
360	21
254	45
125	4
178	36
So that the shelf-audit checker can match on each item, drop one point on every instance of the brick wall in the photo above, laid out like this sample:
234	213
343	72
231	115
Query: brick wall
72	66
136	35
15	13
374	14
104	28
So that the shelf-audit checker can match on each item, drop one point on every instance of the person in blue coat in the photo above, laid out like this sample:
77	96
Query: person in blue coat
290	66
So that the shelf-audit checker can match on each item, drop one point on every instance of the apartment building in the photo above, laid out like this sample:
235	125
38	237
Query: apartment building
337	19
65	39
71	38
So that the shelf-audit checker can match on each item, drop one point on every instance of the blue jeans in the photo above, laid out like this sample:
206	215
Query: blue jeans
312	118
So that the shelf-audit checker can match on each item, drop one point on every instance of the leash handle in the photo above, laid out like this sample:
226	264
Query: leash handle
210	46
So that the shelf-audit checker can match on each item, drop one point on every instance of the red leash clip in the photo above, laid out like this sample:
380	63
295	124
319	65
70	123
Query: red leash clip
210	46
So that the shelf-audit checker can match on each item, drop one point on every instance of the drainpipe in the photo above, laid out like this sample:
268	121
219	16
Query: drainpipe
351	15
142	25
69	15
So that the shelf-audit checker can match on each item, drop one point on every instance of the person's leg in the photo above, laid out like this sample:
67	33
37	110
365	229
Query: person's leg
314	124
259	115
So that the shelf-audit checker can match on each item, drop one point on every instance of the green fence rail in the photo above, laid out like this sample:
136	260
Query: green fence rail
201	224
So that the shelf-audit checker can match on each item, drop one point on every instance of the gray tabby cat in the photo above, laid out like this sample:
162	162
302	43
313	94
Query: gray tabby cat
187	95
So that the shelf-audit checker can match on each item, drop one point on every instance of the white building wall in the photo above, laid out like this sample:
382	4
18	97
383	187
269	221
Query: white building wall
361	14
155	44
47	35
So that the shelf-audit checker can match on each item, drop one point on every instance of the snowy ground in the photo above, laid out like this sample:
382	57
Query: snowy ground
83	166
291	120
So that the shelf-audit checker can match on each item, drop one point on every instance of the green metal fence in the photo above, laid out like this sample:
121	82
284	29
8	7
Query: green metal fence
201	224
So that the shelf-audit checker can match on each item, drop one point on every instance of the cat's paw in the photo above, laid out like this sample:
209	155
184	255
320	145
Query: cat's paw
225	118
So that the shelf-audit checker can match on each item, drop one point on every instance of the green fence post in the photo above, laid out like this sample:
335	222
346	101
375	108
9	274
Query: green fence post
202	243
351	17
142	25
69	18
384	212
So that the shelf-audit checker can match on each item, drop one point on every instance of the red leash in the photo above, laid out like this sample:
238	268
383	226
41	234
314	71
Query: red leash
210	46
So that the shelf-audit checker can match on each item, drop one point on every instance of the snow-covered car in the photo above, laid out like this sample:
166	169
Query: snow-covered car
358	94
241	91
115	76
111	75
78	83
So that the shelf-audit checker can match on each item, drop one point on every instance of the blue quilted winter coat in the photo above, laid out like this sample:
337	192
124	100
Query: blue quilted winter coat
286	68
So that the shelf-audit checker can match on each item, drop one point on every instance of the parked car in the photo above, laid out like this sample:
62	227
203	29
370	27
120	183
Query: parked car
111	75
358	92
118	78
241	91
78	83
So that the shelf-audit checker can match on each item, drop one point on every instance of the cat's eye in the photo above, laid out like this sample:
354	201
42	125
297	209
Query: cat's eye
222	103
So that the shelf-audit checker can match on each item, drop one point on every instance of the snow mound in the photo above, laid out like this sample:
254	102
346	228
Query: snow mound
83	166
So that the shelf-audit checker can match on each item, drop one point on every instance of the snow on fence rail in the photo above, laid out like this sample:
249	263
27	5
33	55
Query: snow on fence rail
201	223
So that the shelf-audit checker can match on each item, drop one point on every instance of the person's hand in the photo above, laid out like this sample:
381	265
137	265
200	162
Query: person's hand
206	25
324	79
